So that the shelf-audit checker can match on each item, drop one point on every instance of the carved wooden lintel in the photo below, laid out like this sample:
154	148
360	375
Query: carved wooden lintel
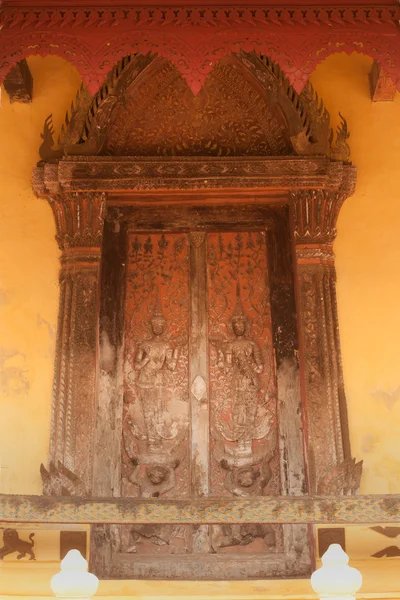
113	173
382	87
19	83
79	222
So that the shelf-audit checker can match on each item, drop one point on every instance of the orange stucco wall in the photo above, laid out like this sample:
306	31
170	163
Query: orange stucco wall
368	255
28	279
367	260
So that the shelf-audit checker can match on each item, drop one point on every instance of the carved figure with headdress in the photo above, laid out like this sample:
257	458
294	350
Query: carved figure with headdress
154	359
242	361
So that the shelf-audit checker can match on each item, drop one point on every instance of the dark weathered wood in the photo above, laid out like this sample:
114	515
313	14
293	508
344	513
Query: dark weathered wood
19	83
290	411
107	460
115	173
206	218
328	536
73	540
381	85
283	310
266	509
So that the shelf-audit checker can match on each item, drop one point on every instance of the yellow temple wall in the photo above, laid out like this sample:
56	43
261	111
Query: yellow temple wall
28	279
368	258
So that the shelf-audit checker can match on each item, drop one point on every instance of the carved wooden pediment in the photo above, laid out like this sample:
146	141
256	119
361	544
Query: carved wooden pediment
246	108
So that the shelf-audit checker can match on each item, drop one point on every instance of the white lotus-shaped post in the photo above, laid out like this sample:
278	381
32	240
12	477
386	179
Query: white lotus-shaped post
335	580
73	580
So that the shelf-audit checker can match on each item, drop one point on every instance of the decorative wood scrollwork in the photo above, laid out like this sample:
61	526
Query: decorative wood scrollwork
331	467
79	222
195	38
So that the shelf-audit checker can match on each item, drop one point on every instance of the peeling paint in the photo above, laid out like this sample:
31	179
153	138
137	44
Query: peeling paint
13	373
389	398
369	443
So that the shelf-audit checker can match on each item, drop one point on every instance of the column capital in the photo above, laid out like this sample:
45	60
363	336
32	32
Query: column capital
315	212
79	218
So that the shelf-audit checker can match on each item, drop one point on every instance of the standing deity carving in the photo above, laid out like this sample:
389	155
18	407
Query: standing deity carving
154	360
242	362
243	387
155	414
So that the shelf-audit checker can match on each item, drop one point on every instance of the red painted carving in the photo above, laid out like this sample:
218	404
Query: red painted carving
242	372
179	364
155	439
79	221
381	86
156	407
242	384
195	38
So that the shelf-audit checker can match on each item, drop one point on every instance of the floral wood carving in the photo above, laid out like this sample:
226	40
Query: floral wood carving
79	222
315	213
79	219
243	392
195	38
246	107
156	378
332	470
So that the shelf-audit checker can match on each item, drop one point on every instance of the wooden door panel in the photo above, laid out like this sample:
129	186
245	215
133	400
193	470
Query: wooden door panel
209	405
244	453
155	440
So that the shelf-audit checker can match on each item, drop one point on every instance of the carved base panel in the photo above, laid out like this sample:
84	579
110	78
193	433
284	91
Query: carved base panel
251	561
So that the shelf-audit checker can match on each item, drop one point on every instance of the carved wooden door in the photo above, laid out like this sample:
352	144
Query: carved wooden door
200	414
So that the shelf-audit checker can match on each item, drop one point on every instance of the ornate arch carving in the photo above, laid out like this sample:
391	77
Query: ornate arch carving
68	46
195	39
253	81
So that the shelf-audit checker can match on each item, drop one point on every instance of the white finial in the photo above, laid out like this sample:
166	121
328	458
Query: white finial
73	581
335	580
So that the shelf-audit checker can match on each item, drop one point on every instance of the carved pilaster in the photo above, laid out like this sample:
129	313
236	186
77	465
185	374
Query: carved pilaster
331	469
79	223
